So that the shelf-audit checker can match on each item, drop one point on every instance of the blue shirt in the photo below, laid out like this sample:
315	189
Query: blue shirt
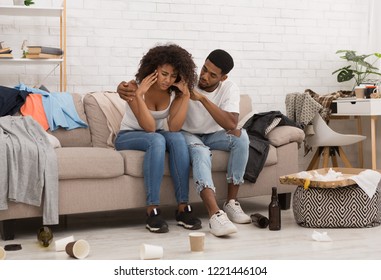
59	108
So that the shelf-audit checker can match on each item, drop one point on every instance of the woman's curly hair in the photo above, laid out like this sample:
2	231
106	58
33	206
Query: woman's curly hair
172	54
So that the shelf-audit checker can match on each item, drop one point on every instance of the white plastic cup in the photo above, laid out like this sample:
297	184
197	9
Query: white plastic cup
78	249
150	252
60	244
196	241
3	254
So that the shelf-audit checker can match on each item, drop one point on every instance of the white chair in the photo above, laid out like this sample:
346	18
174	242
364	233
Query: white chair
328	144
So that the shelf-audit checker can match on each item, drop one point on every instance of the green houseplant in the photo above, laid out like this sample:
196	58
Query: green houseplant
28	2
23	2
359	69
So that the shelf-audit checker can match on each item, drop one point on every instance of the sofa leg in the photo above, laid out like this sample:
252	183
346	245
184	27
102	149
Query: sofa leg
284	200
7	230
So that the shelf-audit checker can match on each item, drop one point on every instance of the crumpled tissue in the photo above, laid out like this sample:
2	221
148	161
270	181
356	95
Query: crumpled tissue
368	181
321	236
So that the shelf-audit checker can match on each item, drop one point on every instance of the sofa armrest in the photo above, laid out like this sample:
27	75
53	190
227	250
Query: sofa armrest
285	134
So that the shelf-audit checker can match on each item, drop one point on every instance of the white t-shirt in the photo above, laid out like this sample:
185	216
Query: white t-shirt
129	121
226	96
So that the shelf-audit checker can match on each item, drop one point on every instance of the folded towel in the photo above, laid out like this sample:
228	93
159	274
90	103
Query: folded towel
368	181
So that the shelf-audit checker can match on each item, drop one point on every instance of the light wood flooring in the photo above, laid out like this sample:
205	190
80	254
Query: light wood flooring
118	235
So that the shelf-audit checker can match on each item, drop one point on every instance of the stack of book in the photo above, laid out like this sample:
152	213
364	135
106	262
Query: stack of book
43	52
5	52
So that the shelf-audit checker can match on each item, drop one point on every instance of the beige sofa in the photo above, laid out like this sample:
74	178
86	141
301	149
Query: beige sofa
94	177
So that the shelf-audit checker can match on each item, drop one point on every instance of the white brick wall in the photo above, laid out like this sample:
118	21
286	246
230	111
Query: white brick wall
279	46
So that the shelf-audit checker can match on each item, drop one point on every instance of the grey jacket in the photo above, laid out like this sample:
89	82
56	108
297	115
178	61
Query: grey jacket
28	166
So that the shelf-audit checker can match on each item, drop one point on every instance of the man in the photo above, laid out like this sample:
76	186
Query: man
211	124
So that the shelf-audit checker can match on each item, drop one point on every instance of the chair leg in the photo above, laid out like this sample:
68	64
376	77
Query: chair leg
344	158
315	159
326	157
333	152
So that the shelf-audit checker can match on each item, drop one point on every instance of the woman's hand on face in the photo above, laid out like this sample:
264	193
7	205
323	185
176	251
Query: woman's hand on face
147	83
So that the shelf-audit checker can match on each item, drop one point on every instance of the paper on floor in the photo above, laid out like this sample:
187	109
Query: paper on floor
321	236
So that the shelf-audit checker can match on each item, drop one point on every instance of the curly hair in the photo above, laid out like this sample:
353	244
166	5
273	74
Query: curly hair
172	54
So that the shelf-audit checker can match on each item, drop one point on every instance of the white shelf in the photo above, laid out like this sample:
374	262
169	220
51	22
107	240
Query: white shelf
31	11
30	61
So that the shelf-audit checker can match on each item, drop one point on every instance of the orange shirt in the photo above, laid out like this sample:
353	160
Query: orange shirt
33	107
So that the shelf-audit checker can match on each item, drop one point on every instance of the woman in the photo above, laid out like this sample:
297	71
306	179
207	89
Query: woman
164	80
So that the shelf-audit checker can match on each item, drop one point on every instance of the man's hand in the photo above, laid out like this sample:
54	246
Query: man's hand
196	96
126	90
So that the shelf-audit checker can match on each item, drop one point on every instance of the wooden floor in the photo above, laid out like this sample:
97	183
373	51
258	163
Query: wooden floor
118	235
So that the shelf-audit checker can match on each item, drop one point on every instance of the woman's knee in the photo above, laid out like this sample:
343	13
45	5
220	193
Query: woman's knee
175	138
156	140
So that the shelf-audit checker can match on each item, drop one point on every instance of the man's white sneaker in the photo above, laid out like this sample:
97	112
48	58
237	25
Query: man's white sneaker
235	213
220	225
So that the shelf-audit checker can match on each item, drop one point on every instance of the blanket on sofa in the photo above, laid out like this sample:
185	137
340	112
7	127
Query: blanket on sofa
113	107
28	166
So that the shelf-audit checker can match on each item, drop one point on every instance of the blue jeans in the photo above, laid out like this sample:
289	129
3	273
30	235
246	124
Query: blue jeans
155	144
200	146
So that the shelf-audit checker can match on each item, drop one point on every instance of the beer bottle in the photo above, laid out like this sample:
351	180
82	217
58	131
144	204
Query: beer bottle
274	211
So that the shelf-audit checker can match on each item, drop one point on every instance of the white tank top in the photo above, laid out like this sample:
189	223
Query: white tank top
129	121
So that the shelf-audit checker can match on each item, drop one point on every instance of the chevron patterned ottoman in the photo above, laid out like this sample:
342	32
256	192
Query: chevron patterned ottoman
340	207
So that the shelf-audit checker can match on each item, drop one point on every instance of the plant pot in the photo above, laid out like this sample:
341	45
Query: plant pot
18	2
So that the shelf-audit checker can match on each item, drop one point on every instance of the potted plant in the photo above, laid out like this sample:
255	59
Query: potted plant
23	2
359	69
28	2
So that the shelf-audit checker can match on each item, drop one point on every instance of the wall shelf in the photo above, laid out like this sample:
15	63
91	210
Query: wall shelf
59	12
30	61
30	11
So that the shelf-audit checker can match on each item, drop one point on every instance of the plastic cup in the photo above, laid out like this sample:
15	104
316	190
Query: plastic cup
60	244
3	254
359	92
78	249
196	241
150	252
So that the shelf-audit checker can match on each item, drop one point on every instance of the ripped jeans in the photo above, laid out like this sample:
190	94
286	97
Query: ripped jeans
200	146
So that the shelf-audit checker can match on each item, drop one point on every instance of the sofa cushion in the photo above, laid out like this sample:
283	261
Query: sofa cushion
103	131
88	163
79	137
133	161
282	135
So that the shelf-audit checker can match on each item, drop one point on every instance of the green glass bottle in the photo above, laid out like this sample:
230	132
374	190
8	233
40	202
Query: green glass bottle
45	236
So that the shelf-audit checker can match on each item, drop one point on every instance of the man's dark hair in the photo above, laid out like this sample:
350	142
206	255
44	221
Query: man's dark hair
222	60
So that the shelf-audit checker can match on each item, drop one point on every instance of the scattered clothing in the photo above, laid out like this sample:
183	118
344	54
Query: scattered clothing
28	166
11	100
59	109
302	108
33	107
257	128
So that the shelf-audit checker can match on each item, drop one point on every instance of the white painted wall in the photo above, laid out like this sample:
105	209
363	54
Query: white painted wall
279	46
